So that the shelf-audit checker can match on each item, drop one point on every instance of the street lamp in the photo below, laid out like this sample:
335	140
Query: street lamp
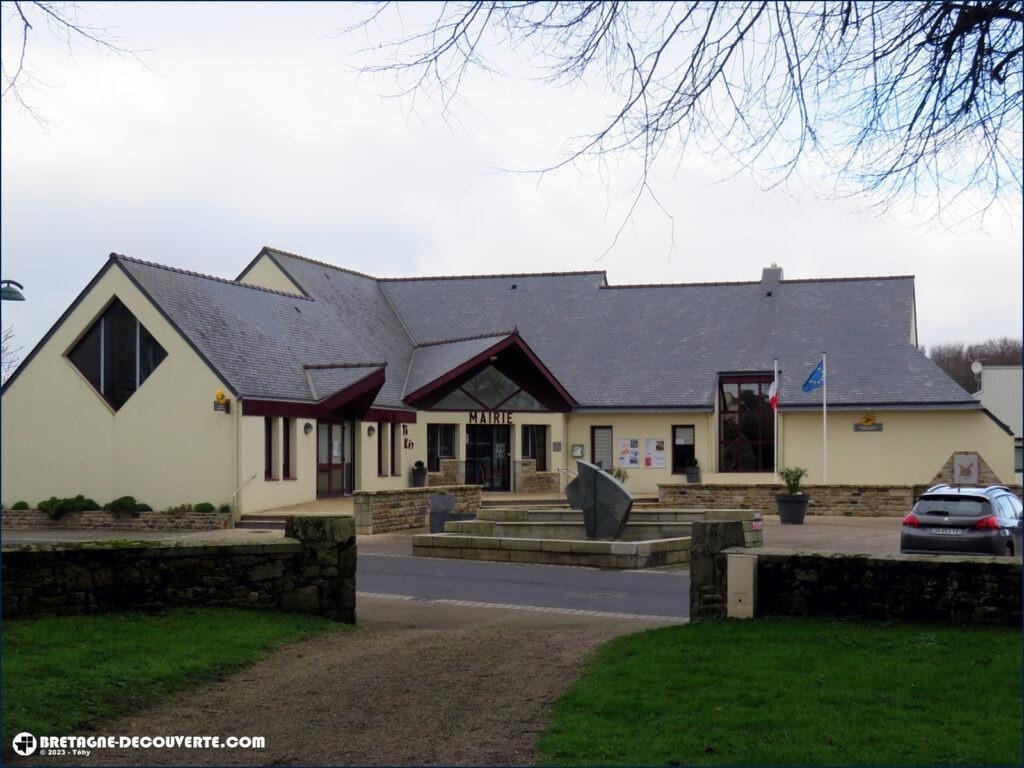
8	291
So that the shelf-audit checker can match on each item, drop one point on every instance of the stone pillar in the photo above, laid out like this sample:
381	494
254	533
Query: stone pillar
329	544
708	565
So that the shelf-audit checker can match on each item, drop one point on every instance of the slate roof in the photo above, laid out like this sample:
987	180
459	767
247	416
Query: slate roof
610	346
432	360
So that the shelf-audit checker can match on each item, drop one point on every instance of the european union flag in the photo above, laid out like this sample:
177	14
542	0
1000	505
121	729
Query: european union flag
816	379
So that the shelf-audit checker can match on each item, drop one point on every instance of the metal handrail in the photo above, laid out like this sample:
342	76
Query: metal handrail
568	474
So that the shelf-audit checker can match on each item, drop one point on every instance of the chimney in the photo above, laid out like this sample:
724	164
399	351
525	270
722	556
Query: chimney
770	279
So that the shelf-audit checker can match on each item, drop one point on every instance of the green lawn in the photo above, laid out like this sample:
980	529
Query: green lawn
62	673
795	692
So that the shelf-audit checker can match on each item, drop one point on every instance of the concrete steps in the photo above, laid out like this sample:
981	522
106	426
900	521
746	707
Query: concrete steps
261	522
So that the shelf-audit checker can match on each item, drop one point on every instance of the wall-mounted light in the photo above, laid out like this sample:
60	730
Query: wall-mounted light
371	430
308	428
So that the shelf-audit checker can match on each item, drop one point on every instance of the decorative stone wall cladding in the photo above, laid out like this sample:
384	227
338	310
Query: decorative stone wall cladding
452	472
397	510
957	589
139	521
832	500
529	480
985	474
707	565
312	571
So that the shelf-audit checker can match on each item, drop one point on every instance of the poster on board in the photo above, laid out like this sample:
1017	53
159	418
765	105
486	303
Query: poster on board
654	453
629	452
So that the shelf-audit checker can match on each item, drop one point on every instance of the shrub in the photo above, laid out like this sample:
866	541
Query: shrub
180	509
204	506
124	505
20	505
56	508
140	507
224	509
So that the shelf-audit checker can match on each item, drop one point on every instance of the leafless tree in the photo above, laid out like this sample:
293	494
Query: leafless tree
955	359
61	21
10	355
890	97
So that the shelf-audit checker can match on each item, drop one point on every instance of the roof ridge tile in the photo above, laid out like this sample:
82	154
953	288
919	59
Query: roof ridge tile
320	263
475	337
331	366
192	273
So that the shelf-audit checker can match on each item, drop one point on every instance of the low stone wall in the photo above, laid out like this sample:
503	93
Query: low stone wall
137	521
404	508
938	588
837	500
311	571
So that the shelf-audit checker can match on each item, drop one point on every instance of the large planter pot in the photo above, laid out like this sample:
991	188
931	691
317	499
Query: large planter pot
693	474
419	477
792	507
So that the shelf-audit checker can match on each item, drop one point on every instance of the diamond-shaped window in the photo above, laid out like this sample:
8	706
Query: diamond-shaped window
117	354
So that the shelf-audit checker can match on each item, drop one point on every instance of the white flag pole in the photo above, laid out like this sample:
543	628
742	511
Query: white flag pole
824	414
775	413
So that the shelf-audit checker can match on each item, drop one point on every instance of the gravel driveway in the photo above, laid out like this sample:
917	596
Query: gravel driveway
413	683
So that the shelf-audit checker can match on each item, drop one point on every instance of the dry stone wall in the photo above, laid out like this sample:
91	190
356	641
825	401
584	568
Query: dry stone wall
404	508
312	571
15	519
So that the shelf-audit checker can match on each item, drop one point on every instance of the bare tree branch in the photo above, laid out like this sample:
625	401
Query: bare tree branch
898	100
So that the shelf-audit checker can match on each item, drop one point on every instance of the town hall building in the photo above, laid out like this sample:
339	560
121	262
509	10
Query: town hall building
300	380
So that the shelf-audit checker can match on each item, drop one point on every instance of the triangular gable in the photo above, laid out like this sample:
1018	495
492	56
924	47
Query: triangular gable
492	373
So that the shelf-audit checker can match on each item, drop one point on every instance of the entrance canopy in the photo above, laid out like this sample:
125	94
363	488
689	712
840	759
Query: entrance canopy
342	391
497	372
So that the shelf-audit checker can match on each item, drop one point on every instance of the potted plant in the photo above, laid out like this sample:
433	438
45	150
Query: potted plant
692	471
792	504
419	475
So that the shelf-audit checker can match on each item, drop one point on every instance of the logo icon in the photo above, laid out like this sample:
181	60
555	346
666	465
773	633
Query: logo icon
25	744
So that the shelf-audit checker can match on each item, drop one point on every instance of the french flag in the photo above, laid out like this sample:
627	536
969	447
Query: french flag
773	394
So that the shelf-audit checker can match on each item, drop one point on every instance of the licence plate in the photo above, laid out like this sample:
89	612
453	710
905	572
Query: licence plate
947	531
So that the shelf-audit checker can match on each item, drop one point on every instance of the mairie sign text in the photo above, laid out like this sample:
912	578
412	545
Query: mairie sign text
490	417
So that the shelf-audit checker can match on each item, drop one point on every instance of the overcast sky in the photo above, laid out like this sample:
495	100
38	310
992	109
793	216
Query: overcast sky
246	127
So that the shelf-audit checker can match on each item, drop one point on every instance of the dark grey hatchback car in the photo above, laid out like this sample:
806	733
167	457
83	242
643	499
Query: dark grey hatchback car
947	519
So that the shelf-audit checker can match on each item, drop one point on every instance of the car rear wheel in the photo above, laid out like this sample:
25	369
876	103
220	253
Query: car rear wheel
1009	549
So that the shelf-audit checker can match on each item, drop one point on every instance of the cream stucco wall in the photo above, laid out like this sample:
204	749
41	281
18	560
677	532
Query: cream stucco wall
266	274
258	493
165	446
910	449
642	480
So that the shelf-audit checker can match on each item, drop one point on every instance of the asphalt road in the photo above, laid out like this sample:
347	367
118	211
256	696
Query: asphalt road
650	593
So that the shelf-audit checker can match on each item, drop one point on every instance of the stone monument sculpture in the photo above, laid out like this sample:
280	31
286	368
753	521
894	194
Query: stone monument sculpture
604	501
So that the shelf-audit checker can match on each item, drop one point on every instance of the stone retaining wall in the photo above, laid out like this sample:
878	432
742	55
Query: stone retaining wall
939	588
312	571
404	508
836	500
137	521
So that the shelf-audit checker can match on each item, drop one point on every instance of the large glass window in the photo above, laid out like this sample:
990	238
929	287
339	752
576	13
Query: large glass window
746	425
1018	458
440	445
489	390
117	354
683	454
535	445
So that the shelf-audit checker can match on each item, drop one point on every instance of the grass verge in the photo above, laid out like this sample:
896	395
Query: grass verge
795	691
63	673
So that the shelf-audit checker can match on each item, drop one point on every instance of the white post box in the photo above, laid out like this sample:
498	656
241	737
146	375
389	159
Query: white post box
741	586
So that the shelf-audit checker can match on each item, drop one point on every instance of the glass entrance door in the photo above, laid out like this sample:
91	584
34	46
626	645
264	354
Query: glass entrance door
488	456
335	471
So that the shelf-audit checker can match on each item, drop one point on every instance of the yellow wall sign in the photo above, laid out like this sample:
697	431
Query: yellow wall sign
867	424
221	402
